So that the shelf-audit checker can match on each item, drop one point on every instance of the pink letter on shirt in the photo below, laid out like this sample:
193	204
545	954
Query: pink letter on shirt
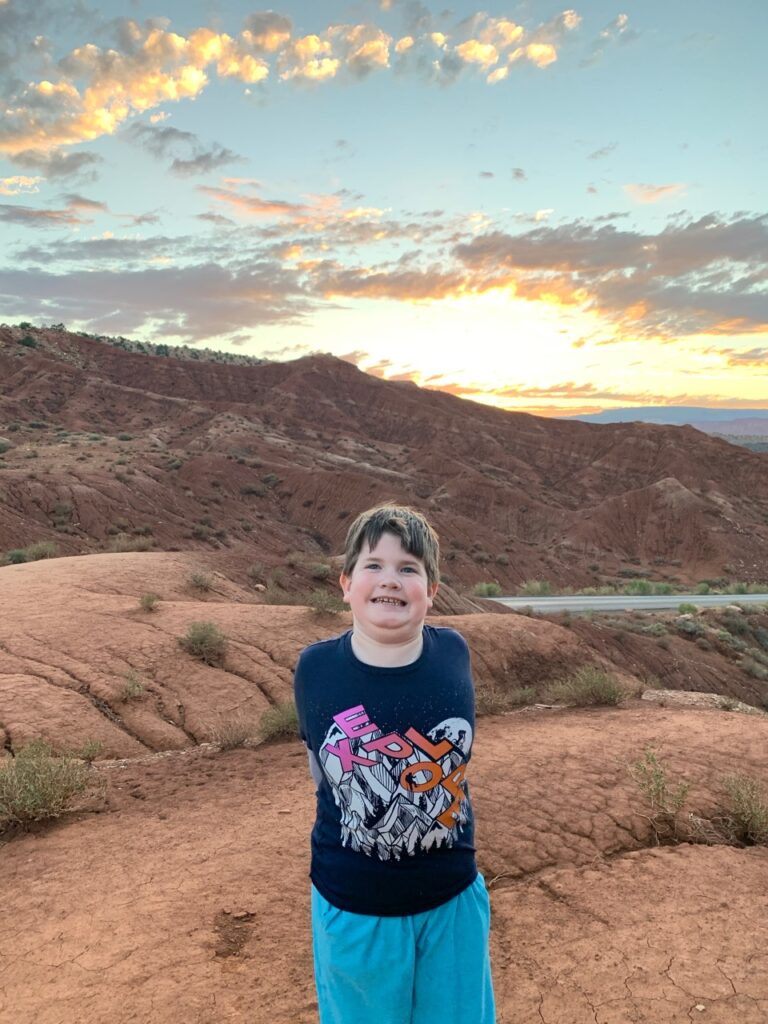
355	723
345	755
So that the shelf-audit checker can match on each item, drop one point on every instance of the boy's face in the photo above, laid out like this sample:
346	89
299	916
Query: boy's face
388	591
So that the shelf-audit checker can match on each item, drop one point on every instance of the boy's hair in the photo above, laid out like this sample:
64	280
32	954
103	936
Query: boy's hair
415	534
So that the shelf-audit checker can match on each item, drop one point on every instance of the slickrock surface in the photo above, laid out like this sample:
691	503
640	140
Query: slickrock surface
189	900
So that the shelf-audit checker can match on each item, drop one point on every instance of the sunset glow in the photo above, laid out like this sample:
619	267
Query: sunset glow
492	203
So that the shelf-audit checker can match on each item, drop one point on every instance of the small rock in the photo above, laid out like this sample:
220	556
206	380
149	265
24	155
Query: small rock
700	1007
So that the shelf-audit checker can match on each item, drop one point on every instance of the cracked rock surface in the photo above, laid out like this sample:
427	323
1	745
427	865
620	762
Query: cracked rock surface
187	897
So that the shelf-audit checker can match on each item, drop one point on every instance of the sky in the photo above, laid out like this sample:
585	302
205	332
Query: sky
549	209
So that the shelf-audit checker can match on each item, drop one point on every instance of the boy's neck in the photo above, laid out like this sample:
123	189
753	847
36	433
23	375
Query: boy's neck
386	655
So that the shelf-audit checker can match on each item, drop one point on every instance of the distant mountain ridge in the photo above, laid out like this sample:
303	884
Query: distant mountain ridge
744	422
265	465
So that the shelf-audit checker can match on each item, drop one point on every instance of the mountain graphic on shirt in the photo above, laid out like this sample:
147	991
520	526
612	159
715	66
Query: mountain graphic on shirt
379	816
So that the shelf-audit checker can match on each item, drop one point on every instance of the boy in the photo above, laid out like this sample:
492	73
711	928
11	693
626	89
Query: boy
400	914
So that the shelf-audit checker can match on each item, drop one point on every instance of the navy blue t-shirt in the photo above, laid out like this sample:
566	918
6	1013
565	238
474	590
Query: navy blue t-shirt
394	832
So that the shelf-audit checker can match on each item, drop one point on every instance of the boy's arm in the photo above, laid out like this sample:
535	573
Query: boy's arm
314	767
298	692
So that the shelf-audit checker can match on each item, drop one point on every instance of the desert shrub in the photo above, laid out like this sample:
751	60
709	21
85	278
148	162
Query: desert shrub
586	687
702	588
662	588
325	603
294	559
231	731
270	479
206	642
761	635
734	623
689	627
757	671
147	602
133	688
28	341
279	722
639	588
481	557
502	559
665	802
125	437
41	549
200	581
124	542
256	489
4	446
737	588
654	629
256	573
15	557
493	701
36	784
89	751
686	608
489	589
320	571
537	588
747	817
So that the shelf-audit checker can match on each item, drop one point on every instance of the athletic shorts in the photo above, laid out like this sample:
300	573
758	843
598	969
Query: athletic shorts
428	968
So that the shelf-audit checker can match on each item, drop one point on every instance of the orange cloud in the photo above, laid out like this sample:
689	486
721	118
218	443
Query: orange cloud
653	193
475	52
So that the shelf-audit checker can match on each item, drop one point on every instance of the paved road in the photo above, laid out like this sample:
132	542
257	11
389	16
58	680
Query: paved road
619	603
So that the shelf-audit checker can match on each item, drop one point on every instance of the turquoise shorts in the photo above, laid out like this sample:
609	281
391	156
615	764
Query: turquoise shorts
429	968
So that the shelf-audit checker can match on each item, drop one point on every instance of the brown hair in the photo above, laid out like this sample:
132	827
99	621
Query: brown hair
415	533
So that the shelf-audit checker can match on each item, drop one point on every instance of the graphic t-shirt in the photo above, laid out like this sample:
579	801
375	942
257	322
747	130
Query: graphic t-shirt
394	832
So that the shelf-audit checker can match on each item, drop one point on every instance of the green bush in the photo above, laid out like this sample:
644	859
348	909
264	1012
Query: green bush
689	627
588	686
28	341
199	581
325	603
686	608
665	803
320	571
702	588
279	722
124	542
36	784
494	701
747	817
147	602
15	557
490	589
639	588
537	588
231	731
206	642
133	688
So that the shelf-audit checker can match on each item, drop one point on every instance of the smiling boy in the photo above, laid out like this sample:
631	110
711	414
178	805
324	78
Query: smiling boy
400	914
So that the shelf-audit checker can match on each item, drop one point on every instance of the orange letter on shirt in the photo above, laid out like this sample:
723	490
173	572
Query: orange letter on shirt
453	784
435	750
430	767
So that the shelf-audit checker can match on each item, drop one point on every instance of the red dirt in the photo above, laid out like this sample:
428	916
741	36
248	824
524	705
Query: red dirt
181	891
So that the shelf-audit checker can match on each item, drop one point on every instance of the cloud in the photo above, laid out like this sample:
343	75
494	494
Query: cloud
18	184
55	164
37	218
695	276
604	151
653	193
93	91
256	206
267	32
190	157
519	174
192	303
618	30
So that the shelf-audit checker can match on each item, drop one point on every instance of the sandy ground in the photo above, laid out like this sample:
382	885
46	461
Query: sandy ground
189	899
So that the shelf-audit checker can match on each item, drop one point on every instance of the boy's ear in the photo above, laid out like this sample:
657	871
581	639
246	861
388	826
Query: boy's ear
431	591
344	582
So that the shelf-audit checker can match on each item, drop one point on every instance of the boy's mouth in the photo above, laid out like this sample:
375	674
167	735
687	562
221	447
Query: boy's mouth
389	600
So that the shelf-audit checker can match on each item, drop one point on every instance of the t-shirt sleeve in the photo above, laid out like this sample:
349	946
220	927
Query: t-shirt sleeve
299	696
